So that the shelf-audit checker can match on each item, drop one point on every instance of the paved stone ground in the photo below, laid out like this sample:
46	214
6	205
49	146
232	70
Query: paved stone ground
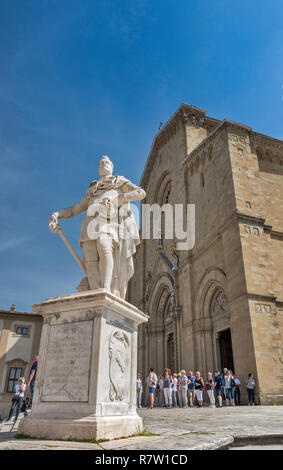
181	429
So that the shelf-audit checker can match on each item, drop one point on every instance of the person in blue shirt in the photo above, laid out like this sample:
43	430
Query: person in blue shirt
32	378
191	387
218	384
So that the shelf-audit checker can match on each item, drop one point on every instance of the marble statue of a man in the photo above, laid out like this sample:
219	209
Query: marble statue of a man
109	234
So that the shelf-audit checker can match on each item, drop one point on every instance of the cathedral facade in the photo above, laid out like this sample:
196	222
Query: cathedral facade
219	304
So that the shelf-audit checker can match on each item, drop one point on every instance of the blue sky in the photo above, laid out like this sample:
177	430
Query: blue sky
81	78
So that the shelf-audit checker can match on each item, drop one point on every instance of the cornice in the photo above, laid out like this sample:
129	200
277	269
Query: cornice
266	298
238	125
270	141
16	315
274	233
242	217
215	236
254	220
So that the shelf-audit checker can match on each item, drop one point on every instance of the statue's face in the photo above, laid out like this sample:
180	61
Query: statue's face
105	168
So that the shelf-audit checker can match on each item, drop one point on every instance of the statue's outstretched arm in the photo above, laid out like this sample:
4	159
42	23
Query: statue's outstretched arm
74	210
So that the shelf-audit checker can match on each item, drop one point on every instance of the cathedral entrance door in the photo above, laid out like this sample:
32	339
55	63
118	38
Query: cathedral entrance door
226	351
170	352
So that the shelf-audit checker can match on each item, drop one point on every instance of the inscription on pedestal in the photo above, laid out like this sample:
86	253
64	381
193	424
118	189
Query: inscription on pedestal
66	376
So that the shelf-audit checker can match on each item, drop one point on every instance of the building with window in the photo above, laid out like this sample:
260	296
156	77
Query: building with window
220	303
19	342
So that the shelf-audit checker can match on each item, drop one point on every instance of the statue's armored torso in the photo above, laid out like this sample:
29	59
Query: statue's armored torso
102	215
102	209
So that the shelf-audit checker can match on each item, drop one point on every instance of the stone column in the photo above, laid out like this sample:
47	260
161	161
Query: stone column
177	316
86	382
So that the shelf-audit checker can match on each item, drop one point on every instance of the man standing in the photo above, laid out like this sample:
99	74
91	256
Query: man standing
191	388
224	373
218	384
237	390
109	234
32	378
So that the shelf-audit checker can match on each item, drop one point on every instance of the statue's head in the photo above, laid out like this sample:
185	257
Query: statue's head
105	166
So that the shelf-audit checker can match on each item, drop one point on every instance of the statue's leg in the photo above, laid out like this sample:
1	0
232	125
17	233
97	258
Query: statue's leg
105	252
90	257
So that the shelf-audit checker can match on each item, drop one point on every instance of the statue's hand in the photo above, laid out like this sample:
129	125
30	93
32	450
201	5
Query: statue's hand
53	222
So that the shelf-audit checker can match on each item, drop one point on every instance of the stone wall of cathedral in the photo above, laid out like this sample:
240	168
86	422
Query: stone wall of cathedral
257	163
230	283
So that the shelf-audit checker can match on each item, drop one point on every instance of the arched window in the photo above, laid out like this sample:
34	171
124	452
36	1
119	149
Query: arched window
163	190
166	194
163	306
15	370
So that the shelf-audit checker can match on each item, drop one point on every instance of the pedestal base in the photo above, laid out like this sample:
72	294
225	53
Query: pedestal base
90	428
86	380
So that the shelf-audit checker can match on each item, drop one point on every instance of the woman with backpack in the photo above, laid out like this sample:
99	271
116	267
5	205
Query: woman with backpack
218	383
229	386
152	382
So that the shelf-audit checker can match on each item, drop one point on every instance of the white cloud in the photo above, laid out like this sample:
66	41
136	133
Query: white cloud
6	245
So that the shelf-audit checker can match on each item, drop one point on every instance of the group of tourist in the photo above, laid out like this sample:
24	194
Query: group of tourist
181	390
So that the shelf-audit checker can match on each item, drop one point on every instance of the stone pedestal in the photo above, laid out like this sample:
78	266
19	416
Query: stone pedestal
86	381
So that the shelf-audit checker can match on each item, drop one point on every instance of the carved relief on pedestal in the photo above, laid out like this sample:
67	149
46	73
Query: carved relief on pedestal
119	352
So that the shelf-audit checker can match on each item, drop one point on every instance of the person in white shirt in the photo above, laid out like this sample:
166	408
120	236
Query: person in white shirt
139	391
151	384
209	386
17	399
174	391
